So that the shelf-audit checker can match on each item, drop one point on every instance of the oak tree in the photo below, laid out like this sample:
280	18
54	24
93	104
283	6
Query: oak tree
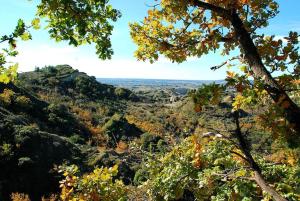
193	28
76	21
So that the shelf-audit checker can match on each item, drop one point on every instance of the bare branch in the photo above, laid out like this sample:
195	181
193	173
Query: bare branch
152	6
240	155
224	63
233	176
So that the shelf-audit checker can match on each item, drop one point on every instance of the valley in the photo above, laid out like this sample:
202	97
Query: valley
56	116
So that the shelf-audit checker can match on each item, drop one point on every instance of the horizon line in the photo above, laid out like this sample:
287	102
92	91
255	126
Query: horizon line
125	78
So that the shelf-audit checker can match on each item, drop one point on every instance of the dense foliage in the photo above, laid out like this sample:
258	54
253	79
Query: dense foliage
209	169
178	30
77	22
98	185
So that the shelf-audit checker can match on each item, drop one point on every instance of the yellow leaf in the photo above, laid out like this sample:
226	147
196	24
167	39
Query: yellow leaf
105	177
230	74
36	23
241	173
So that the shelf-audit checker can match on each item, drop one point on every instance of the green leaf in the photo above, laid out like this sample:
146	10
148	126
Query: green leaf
36	23
243	68
20	28
26	36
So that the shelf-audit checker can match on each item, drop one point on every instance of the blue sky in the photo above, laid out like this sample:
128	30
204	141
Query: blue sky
43	51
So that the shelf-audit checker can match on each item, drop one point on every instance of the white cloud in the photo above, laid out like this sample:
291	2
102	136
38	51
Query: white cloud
39	55
32	56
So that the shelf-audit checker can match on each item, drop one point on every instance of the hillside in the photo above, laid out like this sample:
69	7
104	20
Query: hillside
53	119
66	81
57	116
35	135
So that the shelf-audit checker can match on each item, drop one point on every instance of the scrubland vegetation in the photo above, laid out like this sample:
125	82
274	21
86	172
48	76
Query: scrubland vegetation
65	136
59	141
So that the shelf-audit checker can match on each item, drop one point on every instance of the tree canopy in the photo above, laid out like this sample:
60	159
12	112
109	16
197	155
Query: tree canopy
75	21
181	29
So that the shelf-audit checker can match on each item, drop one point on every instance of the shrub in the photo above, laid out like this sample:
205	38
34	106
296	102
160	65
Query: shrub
23	101
120	92
6	97
6	150
60	119
161	145
124	93
140	177
150	142
97	185
19	197
118	128
77	139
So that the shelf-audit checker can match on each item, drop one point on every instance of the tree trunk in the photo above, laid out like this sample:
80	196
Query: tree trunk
264	186
280	97
258	177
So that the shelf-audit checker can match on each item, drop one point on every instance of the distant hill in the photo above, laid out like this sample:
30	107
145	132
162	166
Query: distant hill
66	81
132	83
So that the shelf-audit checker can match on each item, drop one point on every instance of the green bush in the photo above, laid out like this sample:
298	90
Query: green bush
97	185
140	177
118	128
6	149
77	139
150	142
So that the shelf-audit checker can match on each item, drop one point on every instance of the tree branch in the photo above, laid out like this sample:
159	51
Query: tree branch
221	11
224	63
258	177
240	155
